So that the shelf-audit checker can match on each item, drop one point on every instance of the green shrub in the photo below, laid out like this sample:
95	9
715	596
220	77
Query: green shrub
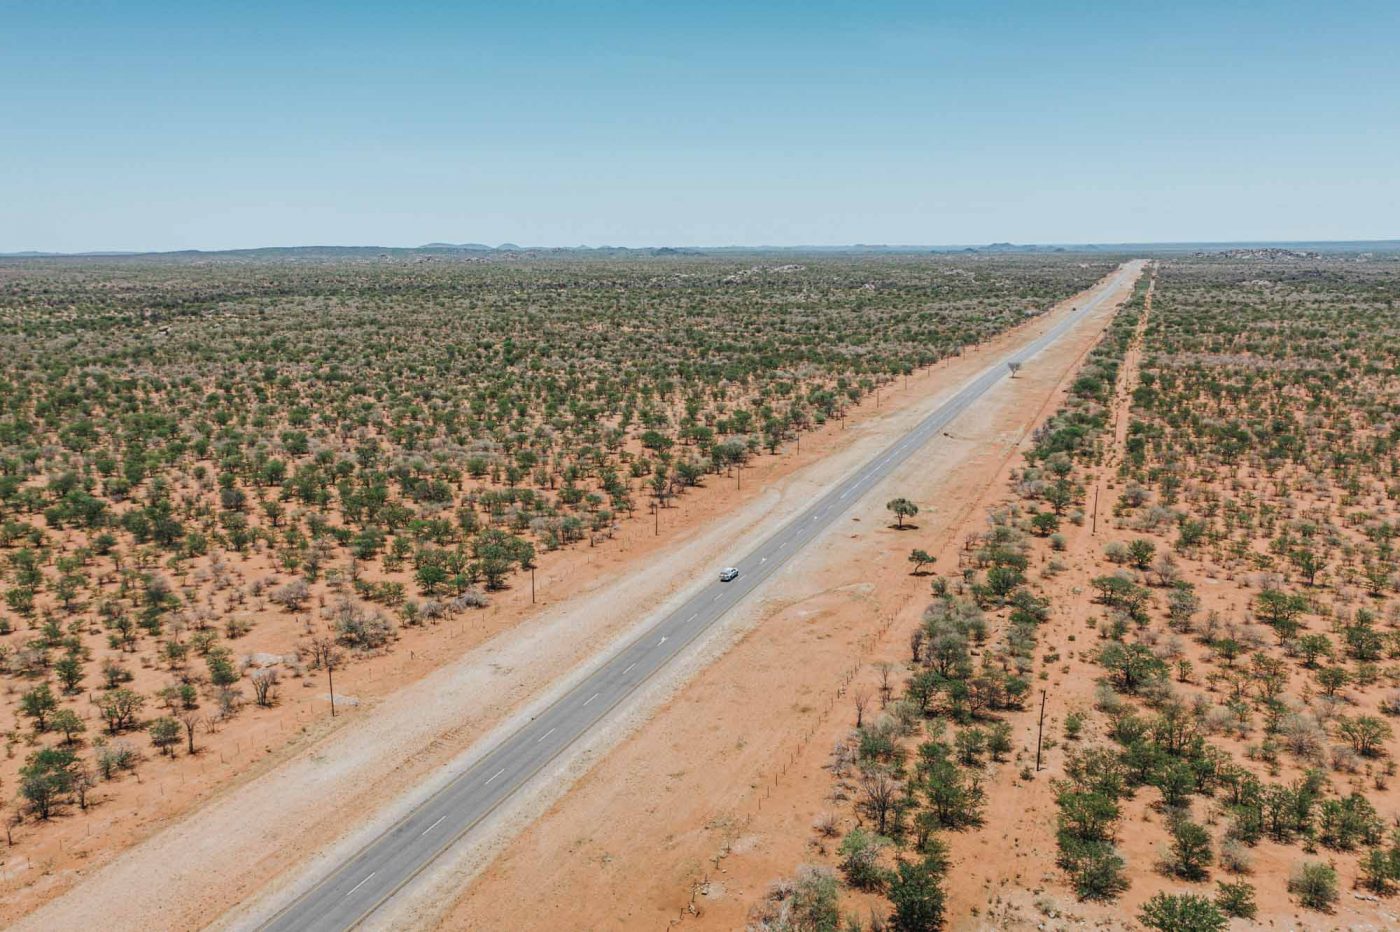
1094	867
1185	912
917	894
1191	851
1315	885
1236	899
860	859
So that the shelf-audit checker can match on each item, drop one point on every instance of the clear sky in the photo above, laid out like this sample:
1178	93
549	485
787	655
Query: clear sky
129	124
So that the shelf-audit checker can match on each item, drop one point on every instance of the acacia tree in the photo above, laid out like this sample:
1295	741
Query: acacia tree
69	723
39	703
165	734
120	707
1132	665
1059	495
902	508
1366	733
1313	647
47	778
1279	609
1309	563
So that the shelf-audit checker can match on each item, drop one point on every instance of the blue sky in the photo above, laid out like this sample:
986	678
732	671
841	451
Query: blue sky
169	125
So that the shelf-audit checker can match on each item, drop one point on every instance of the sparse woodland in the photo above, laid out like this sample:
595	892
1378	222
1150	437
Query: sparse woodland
1229	690
191	449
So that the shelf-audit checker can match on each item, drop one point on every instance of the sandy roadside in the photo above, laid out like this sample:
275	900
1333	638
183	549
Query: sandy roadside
379	764
713	797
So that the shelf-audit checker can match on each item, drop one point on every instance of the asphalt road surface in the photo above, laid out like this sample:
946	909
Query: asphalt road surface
351	893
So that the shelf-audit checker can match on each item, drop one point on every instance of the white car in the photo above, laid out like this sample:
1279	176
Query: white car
728	573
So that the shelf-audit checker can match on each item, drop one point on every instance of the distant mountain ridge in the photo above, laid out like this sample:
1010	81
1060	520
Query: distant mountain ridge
483	250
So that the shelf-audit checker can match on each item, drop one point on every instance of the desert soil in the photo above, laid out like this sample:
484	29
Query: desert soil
1005	875
691	821
696	813
442	691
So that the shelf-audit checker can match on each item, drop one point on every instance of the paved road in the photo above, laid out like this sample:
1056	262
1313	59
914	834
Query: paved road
350	894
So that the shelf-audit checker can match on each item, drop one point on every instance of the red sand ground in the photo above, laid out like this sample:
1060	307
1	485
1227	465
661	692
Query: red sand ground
715	797
209	833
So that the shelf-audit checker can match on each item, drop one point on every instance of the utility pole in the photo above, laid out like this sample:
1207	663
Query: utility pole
532	585
656	512
325	653
1040	732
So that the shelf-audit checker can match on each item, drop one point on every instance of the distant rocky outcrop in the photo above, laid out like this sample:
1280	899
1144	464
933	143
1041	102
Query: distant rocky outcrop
1262	253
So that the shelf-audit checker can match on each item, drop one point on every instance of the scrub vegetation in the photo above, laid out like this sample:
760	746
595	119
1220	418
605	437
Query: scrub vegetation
190	449
1223	536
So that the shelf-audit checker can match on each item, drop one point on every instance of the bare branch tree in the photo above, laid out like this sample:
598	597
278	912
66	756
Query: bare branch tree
886	670
190	720
265	687
326	655
880	792
861	698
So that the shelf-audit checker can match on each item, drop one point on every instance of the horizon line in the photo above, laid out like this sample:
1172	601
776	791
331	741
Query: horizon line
765	247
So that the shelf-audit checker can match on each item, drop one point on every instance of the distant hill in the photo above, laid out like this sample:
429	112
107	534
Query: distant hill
1012	247
483	252
465	247
35	254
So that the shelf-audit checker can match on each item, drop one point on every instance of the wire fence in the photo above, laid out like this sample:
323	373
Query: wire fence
751	803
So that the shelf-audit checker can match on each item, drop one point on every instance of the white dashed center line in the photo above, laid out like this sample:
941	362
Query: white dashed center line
361	883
